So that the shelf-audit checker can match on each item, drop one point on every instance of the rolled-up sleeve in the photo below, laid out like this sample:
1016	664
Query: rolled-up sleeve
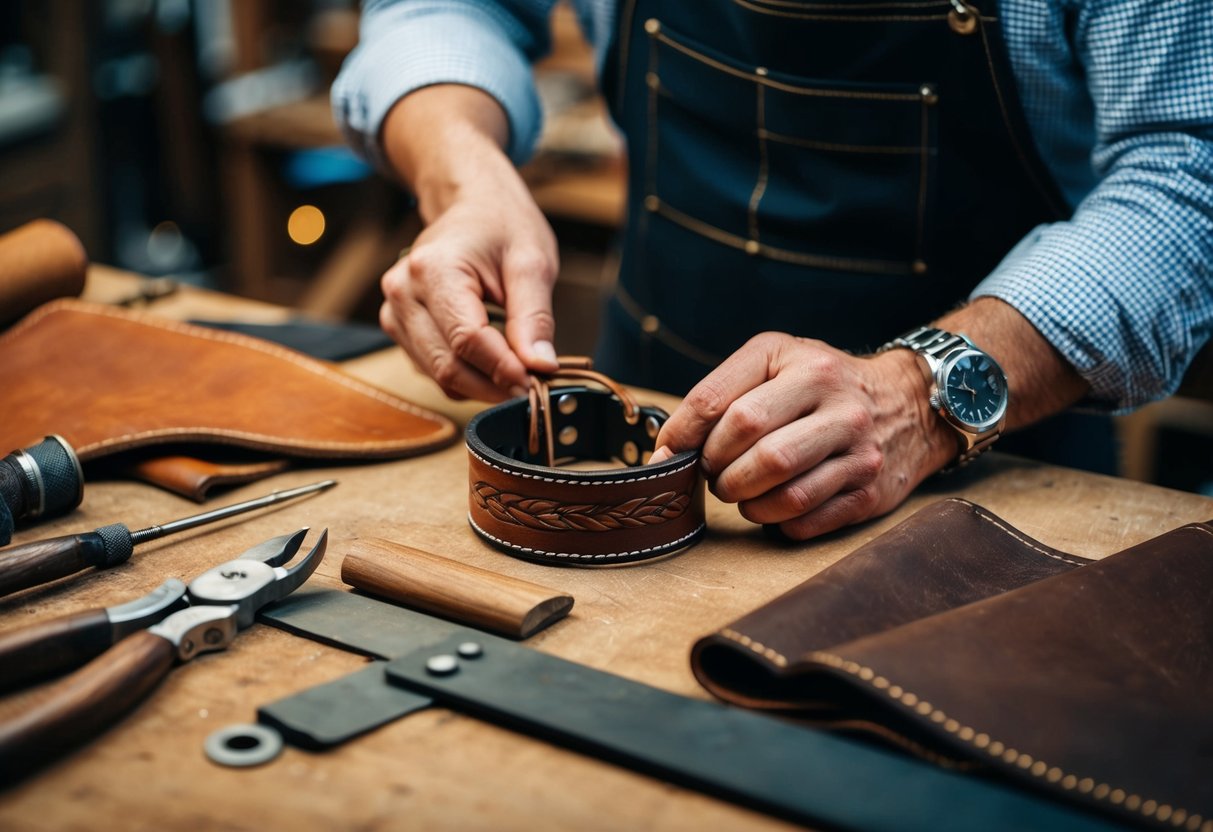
409	44
1124	288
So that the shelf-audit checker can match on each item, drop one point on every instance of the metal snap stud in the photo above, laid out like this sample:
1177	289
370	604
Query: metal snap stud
470	650
567	435
567	404
444	664
631	453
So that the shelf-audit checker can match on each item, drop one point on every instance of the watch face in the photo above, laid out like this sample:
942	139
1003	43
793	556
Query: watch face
975	389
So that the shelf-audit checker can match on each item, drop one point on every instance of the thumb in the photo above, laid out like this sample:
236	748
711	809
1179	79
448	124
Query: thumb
529	323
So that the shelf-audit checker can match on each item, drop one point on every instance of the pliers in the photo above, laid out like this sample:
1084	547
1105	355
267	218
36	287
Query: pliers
132	647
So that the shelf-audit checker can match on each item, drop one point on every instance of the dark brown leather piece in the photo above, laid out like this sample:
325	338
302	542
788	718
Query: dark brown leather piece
960	635
110	380
572	517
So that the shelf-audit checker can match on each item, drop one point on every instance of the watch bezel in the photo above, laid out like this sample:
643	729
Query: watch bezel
946	366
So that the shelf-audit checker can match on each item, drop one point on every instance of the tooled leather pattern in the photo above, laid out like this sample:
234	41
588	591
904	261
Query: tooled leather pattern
538	513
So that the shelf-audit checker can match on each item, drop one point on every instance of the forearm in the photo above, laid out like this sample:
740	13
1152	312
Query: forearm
446	142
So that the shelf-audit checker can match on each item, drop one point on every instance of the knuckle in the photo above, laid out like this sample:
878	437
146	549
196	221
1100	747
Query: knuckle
464	339
776	458
864	500
532	262
708	399
445	369
869	464
859	421
797	499
748	417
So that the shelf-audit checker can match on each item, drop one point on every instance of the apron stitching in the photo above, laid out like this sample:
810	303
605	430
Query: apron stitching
1006	119
763	166
842	18
625	43
922	185
727	238
779	85
798	4
663	333
813	144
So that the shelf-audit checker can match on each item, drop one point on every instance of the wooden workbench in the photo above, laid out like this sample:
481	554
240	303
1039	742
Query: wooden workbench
436	769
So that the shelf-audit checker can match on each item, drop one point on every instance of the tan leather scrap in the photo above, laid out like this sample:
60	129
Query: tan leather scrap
956	636
524	499
111	380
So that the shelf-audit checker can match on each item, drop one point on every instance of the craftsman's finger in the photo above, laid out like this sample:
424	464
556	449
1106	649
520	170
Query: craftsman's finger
843	509
708	400
778	457
529	324
801	496
453	293
767	408
430	350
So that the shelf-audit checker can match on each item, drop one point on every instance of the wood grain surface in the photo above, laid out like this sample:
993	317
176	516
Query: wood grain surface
437	769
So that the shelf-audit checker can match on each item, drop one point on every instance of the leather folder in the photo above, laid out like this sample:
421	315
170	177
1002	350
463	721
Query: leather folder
957	637
187	407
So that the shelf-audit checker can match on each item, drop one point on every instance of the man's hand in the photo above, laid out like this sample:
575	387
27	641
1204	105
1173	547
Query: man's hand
809	438
485	240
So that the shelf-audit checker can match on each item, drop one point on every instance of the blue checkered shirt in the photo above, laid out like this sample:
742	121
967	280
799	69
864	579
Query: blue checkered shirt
1119	96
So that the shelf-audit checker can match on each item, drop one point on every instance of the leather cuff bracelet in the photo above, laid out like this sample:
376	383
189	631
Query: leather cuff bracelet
523	503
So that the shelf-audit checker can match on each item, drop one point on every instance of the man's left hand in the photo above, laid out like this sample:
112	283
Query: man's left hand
810	438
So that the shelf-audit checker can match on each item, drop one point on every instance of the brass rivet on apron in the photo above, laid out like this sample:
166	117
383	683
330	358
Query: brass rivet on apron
567	404
652	80
650	324
651	427
567	435
929	96
652	25
962	18
651	203
751	246
919	267
631	454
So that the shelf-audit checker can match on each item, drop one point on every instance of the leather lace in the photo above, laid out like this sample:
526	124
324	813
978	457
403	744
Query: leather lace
539	401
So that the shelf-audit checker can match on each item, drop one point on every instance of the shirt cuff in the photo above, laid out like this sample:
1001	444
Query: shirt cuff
1127	335
401	52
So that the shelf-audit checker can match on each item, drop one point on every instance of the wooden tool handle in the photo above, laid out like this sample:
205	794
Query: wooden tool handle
80	706
28	654
37	563
39	261
454	590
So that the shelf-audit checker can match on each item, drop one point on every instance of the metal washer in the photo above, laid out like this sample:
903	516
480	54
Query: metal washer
243	745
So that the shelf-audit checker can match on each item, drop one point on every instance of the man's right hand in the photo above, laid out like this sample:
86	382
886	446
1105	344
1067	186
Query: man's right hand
485	240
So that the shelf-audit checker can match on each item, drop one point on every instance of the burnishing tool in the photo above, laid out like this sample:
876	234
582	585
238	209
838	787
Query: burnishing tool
38	482
31	564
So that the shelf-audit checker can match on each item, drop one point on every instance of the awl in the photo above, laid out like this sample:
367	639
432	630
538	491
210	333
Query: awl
31	564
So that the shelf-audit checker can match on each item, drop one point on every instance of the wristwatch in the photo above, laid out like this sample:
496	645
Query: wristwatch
969	389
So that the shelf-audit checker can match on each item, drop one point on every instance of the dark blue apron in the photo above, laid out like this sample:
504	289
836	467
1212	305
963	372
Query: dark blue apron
842	170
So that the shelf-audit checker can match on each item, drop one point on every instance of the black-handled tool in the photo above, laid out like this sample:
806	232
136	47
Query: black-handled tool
31	564
41	481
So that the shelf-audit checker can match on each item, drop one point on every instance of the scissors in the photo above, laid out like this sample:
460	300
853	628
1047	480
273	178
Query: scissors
132	647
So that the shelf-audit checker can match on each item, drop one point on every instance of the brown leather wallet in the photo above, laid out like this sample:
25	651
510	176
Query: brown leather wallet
957	637
522	501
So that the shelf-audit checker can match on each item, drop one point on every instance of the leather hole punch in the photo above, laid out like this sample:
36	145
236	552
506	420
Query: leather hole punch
525	501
